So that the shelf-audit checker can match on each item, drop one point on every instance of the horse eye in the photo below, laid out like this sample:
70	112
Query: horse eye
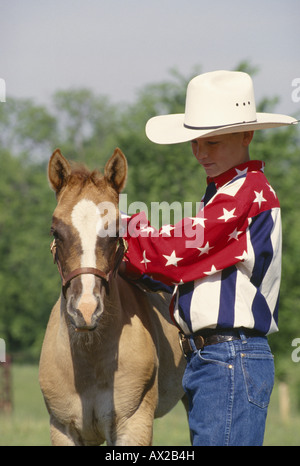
54	233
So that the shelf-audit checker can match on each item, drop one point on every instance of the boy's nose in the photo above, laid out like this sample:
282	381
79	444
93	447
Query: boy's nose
201	153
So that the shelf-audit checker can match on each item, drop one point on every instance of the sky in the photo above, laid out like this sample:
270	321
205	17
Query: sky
116	47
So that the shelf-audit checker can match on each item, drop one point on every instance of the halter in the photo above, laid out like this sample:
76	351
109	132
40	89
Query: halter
119	254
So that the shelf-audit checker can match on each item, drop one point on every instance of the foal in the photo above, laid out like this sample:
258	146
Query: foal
110	360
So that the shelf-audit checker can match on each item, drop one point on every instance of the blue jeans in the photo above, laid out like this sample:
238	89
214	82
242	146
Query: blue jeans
229	387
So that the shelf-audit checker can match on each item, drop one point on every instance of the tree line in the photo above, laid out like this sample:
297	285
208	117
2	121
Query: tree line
87	127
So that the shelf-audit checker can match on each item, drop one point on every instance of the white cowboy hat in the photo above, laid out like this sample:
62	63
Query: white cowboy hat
218	102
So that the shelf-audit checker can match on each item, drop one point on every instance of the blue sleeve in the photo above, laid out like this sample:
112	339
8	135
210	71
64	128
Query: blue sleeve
155	285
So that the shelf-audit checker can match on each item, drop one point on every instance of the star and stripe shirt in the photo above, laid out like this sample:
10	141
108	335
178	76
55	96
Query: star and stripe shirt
223	266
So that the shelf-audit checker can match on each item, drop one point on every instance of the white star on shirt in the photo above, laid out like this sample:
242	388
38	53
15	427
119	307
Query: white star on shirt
234	235
212	271
166	229
172	259
145	260
259	198
271	189
243	257
180	283
241	172
198	221
205	250
227	214
147	229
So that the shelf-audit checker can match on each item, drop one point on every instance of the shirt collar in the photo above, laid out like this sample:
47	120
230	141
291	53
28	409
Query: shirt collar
239	170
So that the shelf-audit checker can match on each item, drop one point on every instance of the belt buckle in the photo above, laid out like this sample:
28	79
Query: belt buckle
200	342
184	344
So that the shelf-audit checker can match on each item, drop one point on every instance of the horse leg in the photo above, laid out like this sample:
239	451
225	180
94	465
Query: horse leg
136	430
62	435
185	402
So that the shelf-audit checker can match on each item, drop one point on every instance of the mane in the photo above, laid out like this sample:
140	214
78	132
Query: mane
81	176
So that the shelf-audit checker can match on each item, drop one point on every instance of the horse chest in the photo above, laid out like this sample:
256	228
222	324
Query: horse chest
97	414
89	413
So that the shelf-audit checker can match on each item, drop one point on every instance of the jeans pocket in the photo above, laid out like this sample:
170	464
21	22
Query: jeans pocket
258	371
214	355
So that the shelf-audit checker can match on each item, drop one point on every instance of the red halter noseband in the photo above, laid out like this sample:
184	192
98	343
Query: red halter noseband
120	251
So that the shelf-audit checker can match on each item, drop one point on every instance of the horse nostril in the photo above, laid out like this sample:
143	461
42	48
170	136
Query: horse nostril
85	314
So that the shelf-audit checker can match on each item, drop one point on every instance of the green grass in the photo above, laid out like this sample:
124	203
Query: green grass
28	425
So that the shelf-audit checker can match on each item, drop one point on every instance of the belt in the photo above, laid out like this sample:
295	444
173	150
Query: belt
212	337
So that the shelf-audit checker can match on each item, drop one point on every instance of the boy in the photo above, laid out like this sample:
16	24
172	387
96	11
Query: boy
224	265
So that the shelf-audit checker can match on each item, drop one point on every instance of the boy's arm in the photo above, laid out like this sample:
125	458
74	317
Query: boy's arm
197	247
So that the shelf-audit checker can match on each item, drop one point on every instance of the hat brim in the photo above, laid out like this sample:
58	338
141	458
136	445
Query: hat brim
170	129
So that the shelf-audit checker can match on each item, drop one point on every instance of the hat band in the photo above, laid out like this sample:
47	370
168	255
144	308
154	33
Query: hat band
217	127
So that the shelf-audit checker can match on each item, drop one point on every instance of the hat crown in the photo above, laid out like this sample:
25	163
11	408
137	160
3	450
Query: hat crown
219	98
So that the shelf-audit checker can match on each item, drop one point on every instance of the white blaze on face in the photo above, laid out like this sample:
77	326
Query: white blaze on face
87	221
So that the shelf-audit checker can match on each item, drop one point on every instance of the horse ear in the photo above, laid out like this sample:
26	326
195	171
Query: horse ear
58	171
116	170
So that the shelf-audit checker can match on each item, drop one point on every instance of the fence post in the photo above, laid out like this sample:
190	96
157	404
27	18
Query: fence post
6	402
284	402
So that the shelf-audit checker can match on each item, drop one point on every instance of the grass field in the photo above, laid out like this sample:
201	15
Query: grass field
28	425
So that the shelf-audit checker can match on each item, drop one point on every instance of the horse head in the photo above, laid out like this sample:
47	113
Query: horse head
85	226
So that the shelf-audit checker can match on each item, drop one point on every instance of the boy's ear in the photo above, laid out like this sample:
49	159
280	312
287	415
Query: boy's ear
248	136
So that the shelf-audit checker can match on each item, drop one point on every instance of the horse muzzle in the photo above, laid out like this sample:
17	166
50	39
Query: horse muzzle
84	312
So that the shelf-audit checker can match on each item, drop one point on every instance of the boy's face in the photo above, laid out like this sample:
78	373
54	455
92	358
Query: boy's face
217	154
